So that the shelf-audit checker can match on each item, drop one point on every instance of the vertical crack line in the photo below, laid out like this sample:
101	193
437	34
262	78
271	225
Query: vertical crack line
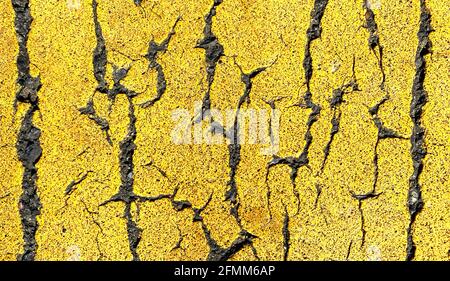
29	151
180	240
418	150
363	223
152	56
234	147
213	52
374	45
295	163
336	101
268	194
383	133
361	198
286	235
335	123
374	39
127	147
349	250
100	54
126	194
28	144
99	61
375	166
318	193
272	105
314	32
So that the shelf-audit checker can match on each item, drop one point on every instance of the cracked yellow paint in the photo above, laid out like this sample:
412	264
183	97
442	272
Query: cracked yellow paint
325	221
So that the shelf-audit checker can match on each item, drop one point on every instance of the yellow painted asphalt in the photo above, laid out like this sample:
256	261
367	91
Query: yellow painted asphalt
326	218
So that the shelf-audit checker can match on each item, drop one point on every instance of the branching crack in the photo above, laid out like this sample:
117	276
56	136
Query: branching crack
152	55
180	240
272	105
216	252
235	144
295	163
89	110
213	52
335	103
127	145
383	133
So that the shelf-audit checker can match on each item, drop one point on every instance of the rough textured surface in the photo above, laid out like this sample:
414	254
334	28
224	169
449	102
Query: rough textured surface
90	170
